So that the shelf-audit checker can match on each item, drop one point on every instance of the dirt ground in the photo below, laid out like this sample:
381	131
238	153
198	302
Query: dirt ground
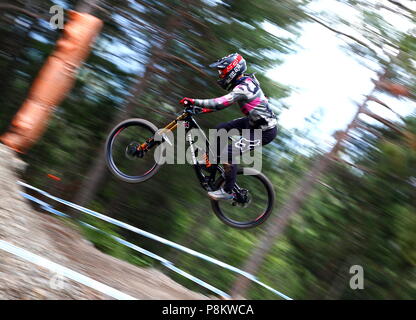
50	238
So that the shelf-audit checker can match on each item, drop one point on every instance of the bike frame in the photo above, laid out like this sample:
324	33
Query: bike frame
208	182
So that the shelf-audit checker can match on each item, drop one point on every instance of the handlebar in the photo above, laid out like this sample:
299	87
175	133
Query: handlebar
189	108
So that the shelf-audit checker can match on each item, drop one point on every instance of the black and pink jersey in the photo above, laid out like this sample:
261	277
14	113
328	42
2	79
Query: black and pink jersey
251	100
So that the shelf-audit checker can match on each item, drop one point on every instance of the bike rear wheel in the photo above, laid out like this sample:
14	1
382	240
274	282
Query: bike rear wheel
124	156
259	202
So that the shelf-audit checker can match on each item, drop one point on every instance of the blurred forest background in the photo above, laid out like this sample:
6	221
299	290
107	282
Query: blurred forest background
353	205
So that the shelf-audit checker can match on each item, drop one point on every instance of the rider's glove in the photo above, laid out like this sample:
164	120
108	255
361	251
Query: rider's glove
187	101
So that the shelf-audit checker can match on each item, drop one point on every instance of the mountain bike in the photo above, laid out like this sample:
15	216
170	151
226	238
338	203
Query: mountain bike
130	152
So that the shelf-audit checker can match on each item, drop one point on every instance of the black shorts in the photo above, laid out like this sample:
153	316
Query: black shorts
250	138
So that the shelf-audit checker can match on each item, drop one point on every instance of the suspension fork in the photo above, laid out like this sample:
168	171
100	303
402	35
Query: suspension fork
151	142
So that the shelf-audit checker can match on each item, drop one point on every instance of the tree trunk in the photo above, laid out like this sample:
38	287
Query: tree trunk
340	280
53	81
278	223
297	198
8	73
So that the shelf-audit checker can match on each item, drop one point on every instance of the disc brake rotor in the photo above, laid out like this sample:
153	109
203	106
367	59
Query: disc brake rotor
243	199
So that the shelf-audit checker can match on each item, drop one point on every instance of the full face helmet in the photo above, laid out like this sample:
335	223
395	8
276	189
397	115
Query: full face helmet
229	69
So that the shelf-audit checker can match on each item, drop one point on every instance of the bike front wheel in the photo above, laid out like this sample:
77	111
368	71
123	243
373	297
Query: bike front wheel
252	206
124	154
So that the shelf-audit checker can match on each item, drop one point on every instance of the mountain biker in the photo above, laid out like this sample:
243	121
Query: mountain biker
245	90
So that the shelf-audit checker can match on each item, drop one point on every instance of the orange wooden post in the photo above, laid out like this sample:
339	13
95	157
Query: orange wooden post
53	82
